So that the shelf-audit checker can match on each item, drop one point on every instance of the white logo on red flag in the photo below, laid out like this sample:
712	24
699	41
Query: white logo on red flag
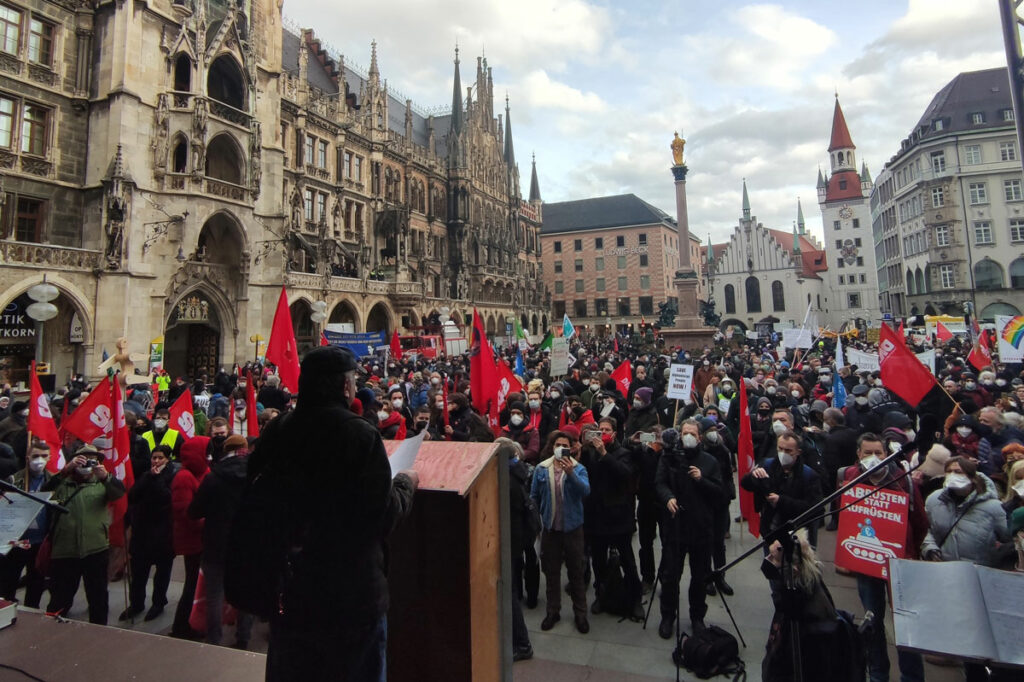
100	416
187	424
44	407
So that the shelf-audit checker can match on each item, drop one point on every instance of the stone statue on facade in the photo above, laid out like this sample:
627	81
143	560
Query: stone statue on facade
256	157
677	149
161	133
115	233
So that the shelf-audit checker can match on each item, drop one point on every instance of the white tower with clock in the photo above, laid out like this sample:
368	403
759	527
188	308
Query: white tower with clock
846	218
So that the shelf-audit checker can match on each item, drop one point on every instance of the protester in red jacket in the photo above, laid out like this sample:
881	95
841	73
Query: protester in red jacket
188	532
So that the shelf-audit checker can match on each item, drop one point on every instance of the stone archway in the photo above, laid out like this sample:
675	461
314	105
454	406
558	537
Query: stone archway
380	318
194	333
306	331
344	313
533	324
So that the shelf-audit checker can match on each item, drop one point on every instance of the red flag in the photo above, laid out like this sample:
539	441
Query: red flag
396	346
902	333
92	418
942	333
508	382
40	421
182	418
623	375
901	371
616	344
118	460
444	398
482	373
981	355
252	424
745	464
323	340
281	348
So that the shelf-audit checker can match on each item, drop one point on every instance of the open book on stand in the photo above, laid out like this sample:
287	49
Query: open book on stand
958	609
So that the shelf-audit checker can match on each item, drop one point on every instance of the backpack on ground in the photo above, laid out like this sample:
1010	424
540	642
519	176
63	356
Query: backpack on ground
709	653
614	595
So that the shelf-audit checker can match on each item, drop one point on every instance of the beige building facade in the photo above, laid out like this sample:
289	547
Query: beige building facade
171	164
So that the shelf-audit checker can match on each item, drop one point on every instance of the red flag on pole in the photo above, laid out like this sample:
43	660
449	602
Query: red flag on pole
623	375
118	461
981	354
40	421
901	371
942	333
616	344
281	348
323	339
92	418
745	464
902	333
508	382
182	418
482	373
252	424
396	346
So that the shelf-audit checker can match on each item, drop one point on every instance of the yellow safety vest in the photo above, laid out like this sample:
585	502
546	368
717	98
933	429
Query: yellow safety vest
170	439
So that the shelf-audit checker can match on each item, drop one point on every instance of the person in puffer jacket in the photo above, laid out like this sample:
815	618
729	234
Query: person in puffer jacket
188	532
965	518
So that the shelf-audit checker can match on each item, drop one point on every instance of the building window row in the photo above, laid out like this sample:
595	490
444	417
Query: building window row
33	121
14	24
577	244
623	307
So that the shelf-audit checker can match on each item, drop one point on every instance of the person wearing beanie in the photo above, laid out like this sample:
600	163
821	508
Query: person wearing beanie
520	430
859	415
642	415
714	444
465	425
964	438
342	482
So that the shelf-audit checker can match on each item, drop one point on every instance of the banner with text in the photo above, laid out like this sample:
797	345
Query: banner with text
361	345
872	531
1010	331
680	382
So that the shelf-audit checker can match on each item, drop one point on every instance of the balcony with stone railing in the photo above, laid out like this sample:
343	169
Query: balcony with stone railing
47	256
228	113
227	190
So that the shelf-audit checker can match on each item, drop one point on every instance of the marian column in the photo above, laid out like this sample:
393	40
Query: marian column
686	277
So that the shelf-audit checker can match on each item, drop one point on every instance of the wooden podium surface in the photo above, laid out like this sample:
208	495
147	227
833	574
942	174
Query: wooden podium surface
73	650
450	569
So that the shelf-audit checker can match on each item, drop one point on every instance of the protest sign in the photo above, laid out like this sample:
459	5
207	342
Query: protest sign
872	531
797	338
559	356
680	382
1010	332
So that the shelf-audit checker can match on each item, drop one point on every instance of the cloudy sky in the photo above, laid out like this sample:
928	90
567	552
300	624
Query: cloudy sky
597	87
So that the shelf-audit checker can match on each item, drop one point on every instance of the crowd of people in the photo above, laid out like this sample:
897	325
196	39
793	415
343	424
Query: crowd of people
592	465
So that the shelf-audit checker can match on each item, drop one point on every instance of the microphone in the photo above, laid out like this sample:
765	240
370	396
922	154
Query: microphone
670	438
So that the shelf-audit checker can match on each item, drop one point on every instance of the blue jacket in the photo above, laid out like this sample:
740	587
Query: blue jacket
576	486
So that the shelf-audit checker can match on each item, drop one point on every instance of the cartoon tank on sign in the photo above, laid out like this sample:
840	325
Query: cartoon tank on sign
866	545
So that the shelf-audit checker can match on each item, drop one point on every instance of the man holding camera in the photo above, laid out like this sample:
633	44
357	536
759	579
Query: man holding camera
80	538
689	487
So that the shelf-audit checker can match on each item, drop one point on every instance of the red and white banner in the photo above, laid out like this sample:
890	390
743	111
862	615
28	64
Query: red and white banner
182	419
872	531
623	375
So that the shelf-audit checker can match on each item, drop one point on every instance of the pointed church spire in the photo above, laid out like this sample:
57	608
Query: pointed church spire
796	241
801	226
821	179
865	176
746	201
374	71
534	185
510	154
457	97
840	133
711	250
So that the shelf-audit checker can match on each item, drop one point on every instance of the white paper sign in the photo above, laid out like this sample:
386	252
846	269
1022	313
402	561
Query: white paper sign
797	338
680	382
559	357
864	361
1010	332
19	512
405	455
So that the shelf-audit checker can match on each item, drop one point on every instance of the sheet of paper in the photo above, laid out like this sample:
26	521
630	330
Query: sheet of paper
17	513
1004	601
405	456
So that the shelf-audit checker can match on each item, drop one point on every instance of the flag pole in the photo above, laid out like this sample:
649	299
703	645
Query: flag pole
28	448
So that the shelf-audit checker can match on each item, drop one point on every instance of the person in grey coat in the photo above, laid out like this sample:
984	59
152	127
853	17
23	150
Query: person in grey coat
965	517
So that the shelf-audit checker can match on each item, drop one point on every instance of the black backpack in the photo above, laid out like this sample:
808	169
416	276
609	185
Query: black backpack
709	653
614	595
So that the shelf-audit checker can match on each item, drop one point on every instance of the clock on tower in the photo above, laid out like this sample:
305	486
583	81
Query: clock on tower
845	212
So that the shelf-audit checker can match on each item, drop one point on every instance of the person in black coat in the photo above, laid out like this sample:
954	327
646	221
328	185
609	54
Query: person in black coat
520	536
783	487
152	542
646	453
341	503
463	423
714	445
271	394
840	450
859	415
609	509
642	415
217	500
689	488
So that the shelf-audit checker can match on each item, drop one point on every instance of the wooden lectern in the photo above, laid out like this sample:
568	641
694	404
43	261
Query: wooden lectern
450	570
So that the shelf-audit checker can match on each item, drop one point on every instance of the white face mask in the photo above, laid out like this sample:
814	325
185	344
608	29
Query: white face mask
516	419
439	405
689	441
397	403
911	434
786	459
555	394
595	387
435	381
637	403
37	464
778	427
964	431
712	436
795	394
534	404
771	390
970	386
869	462
159	424
1018	488
957	482
1000	382
382	415
860	400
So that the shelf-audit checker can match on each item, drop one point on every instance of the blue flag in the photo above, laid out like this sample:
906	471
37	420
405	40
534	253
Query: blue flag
839	393
520	365
567	329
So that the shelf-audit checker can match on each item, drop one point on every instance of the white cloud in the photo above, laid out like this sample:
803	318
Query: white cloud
538	91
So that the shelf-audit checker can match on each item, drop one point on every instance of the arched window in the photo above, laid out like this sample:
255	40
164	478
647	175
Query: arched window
988	275
922	287
753	288
911	283
179	157
730	299
778	296
226	83
1017	274
224	160
183	73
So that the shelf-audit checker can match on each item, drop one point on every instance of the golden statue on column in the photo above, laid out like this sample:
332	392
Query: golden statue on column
677	149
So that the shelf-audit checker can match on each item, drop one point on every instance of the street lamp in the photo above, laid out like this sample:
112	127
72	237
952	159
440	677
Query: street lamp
42	310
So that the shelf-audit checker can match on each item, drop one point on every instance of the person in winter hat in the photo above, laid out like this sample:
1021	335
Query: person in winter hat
642	415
